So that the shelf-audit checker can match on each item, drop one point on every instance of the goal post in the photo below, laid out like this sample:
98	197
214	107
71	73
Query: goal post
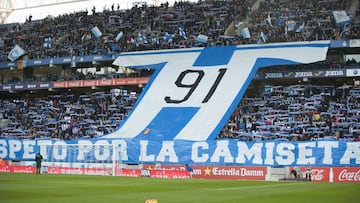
82	159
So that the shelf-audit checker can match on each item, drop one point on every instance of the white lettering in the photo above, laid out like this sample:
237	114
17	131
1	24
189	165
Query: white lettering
352	152
3	148
286	156
254	152
29	149
303	74
222	150
121	150
43	147
305	152
246	172
328	146
196	156
167	150
14	146
143	152
60	150
269	153
84	149
345	175
334	73
102	150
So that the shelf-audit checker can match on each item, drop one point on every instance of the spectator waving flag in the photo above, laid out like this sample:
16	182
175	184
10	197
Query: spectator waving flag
47	42
301	27
142	38
202	38
268	19
341	17
290	24
263	36
182	33
96	31
245	33
168	37
15	53
119	36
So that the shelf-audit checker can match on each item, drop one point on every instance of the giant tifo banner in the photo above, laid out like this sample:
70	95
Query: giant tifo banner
211	152
184	106
193	92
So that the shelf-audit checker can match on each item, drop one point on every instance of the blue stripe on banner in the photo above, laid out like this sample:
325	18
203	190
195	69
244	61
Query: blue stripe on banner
161	127
214	56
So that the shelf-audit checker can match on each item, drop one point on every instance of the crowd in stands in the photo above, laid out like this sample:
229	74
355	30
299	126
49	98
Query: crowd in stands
297	113
157	27
66	116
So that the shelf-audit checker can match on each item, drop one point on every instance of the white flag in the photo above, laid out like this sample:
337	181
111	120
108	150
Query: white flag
202	38
15	53
341	17
119	36
268	19
245	33
96	32
263	36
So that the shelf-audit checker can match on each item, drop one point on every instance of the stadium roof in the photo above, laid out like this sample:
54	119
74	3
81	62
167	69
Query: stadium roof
19	10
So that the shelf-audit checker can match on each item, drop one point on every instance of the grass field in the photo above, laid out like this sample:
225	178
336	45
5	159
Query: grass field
31	188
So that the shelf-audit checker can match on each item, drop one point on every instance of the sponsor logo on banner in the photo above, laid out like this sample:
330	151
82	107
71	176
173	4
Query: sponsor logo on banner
230	172
273	75
77	83
334	73
303	74
145	173
354	42
349	175
60	84
353	72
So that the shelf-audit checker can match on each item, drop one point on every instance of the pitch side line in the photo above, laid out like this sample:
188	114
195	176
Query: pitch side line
255	186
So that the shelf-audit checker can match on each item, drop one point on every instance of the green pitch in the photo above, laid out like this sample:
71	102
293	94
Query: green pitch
31	188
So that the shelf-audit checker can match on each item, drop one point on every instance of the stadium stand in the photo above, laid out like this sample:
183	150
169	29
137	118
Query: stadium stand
291	111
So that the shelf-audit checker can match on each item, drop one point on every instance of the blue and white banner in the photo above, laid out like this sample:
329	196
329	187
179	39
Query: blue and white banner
193	92
15	53
214	152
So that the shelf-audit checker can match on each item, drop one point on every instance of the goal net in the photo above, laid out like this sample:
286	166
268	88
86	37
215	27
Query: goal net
82	159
